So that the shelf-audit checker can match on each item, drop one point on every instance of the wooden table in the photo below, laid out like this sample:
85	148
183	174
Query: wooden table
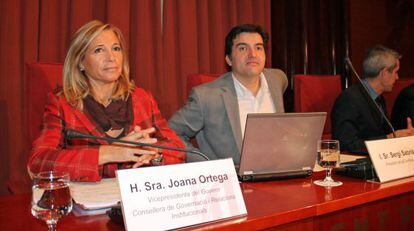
282	205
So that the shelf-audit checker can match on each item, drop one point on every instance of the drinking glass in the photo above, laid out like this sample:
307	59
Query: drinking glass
328	157
51	197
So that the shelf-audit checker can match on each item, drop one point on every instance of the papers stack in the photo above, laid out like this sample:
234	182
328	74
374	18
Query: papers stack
93	198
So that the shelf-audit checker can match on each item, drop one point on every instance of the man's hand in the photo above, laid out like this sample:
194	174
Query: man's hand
409	131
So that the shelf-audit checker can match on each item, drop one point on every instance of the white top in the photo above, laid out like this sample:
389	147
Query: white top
248	103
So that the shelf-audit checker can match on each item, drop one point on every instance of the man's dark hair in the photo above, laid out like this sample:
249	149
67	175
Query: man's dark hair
244	28
378	58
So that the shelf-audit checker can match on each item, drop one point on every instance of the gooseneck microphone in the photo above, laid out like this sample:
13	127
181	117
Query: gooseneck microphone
349	63
72	134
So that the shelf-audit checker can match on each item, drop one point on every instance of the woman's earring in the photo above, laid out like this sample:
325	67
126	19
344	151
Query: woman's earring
81	68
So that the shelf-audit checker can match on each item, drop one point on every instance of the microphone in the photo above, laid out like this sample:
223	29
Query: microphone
361	168
349	63
72	134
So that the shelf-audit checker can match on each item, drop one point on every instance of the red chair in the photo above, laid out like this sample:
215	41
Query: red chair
197	79
40	79
390	97
194	80
317	93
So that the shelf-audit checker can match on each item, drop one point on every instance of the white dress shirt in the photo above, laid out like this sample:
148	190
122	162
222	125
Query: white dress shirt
248	103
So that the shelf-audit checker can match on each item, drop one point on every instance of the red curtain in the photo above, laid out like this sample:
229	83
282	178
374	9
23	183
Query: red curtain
168	39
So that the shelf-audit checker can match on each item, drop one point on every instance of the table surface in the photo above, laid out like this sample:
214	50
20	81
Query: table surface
268	204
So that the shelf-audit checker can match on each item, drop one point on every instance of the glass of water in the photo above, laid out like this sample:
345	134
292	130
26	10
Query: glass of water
51	197
328	158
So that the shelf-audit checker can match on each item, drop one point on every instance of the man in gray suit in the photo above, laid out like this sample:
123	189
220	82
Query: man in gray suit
215	113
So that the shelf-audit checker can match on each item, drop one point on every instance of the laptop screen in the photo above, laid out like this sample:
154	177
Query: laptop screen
280	142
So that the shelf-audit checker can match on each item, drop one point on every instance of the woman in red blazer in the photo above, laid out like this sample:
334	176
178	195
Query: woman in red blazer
98	98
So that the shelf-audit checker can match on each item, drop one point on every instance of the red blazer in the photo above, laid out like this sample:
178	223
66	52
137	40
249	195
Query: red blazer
80	157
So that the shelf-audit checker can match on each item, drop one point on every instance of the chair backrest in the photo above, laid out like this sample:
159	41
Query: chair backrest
41	78
317	93
197	79
194	80
390	97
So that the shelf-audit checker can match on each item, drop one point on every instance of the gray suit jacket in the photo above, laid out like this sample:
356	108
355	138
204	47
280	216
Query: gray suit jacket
211	114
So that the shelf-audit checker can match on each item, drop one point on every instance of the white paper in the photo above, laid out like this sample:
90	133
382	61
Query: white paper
96	195
79	211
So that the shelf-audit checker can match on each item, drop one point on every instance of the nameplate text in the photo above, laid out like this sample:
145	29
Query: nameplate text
174	196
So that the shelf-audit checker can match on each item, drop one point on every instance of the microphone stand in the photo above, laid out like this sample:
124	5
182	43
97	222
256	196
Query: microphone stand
72	134
349	63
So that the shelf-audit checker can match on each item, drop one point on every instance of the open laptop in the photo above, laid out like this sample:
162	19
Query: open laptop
280	145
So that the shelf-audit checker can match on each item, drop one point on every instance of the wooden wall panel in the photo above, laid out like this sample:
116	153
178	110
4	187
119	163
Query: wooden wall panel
388	22
309	37
315	36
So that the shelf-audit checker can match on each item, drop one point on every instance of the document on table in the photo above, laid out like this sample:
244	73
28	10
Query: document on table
96	195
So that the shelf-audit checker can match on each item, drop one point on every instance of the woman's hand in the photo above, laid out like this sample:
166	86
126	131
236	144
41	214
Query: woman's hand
139	135
118	153
144	159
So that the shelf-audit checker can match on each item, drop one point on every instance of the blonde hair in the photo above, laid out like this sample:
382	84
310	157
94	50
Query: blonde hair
75	84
